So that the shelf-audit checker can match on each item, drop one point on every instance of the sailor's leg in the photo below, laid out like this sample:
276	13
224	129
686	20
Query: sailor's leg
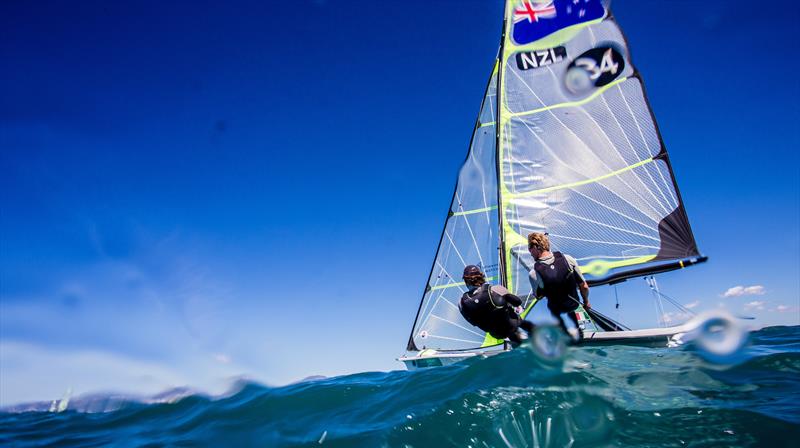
574	320
527	326
561	323
515	339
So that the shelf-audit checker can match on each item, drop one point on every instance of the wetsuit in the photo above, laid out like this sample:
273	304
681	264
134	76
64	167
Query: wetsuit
491	308
558	280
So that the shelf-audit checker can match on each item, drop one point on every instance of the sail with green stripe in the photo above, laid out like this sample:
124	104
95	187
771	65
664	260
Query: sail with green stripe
566	144
470	236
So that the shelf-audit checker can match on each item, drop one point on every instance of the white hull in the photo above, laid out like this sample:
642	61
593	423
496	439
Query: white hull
432	358
650	337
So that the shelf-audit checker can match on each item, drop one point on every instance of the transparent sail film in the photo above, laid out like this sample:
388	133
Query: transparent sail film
470	236
580	155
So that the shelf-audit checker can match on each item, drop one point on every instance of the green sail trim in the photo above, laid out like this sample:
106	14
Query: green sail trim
599	268
582	182
490	340
588	99
530	307
596	268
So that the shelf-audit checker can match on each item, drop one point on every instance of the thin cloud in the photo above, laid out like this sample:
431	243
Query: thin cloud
781	308
670	317
222	358
740	291
754	305
692	305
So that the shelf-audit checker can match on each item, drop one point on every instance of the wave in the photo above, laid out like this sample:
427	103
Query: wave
616	395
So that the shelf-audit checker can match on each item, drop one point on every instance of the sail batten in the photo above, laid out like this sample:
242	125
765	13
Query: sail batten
579	183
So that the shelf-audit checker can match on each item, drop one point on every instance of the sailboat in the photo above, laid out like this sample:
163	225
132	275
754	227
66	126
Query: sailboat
566	144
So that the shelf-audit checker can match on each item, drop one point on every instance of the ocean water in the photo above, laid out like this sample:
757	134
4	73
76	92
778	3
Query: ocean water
611	396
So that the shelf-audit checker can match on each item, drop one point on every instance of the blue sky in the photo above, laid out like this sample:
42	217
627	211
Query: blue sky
194	192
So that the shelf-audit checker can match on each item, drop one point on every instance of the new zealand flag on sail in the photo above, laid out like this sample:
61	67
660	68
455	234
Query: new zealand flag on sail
535	19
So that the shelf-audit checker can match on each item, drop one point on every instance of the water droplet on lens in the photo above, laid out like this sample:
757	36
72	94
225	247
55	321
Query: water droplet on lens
591	421
719	338
577	80
549	344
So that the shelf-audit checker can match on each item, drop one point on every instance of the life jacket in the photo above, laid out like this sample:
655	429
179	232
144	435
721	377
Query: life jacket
488	311
560	286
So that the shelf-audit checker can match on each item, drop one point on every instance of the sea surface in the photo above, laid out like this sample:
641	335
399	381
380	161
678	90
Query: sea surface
611	396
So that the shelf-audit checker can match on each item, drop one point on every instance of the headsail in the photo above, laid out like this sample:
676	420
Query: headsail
581	157
470	236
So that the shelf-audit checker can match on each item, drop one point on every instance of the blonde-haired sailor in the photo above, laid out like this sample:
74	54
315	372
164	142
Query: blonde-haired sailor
558	277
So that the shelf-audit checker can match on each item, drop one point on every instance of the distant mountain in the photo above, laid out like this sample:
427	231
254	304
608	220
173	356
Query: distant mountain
111	401
104	401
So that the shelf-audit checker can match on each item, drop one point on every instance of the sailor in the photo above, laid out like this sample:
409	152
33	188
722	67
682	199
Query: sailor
492	308
557	277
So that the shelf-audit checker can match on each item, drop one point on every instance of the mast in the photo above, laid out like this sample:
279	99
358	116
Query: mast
502	268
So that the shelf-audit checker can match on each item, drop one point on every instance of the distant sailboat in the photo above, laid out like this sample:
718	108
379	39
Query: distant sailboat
61	405
565	143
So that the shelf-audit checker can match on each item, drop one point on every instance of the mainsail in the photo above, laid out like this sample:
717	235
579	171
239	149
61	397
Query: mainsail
566	144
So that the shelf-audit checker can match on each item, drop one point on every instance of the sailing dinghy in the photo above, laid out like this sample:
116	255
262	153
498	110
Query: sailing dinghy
566	144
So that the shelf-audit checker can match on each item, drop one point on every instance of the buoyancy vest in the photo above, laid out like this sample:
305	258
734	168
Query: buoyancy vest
488	311
560	285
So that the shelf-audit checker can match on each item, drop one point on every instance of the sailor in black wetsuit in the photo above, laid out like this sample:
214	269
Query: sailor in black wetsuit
492	308
557	277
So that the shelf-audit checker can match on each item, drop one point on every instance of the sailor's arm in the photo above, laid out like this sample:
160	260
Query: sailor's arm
466	316
583	287
536	282
511	299
522	260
